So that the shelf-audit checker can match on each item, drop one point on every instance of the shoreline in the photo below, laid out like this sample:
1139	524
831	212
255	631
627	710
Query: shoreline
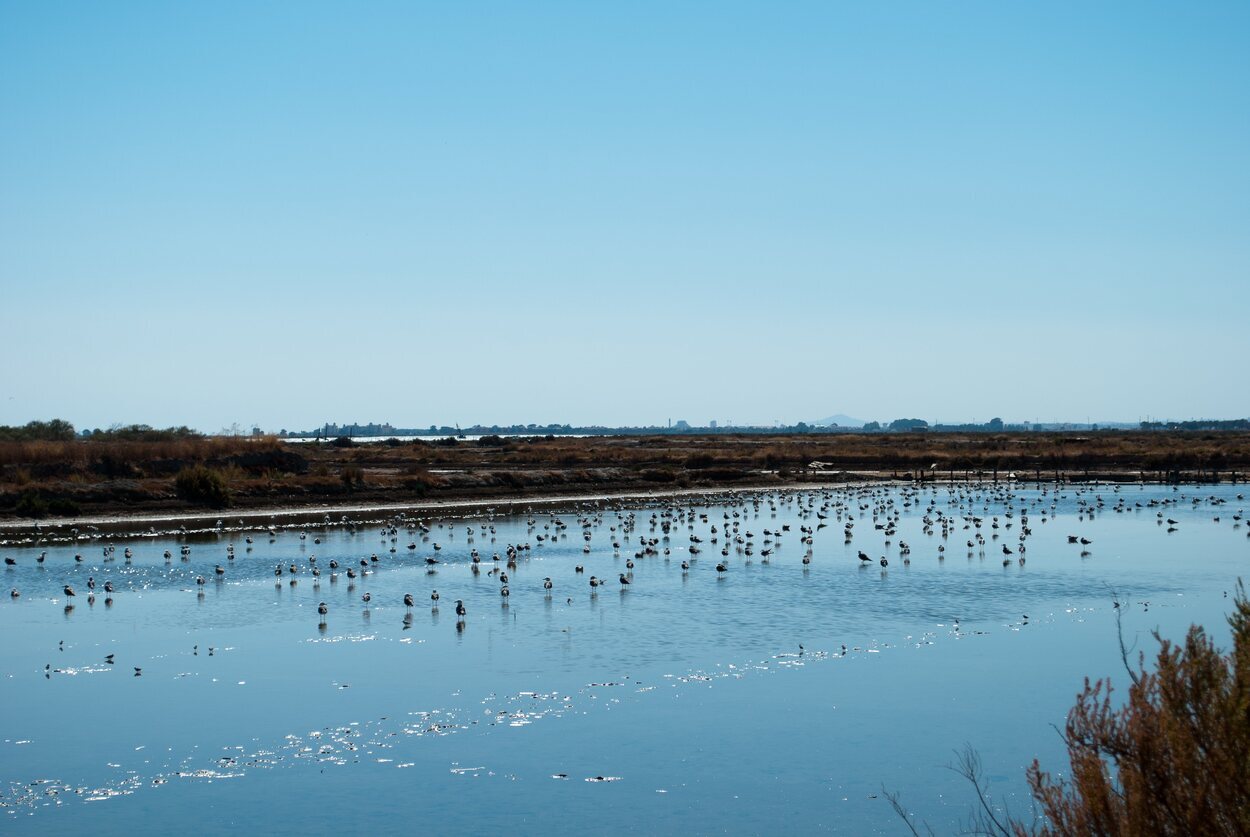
145	523
127	483
17	531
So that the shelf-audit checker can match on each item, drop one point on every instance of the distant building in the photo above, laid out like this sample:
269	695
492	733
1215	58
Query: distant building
681	424
712	424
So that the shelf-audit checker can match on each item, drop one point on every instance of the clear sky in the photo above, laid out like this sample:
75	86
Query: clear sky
292	213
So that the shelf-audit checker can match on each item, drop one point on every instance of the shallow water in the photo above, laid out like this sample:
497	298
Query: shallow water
775	694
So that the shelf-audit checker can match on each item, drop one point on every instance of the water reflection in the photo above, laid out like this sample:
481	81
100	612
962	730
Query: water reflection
680	617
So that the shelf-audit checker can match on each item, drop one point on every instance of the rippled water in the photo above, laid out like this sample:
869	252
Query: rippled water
774	694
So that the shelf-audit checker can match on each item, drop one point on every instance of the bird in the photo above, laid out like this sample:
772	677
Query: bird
69	591
407	600
434	597
366	597
323	609
624	580
547	585
460	609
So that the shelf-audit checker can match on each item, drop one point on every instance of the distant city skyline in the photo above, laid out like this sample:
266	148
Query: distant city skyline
616	214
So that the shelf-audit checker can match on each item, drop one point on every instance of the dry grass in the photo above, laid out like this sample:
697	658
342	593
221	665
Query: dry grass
267	471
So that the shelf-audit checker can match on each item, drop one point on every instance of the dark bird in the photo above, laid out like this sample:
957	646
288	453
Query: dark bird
460	610
407	600
69	591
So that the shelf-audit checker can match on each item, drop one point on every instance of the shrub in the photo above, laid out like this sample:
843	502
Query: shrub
1174	760
509	478
33	504
206	486
352	475
343	442
30	504
658	475
56	430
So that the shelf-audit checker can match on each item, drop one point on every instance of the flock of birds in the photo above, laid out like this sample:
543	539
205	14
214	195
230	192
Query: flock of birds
722	525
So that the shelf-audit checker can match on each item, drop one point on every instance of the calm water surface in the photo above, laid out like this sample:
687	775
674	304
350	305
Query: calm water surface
775	694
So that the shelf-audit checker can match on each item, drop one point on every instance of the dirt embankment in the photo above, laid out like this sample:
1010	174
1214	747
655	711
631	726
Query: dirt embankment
77	478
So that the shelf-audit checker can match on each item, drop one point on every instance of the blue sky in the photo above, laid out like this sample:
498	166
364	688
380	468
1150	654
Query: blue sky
291	213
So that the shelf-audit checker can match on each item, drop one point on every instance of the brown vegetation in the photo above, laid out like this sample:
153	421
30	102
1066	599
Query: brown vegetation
135	470
1174	760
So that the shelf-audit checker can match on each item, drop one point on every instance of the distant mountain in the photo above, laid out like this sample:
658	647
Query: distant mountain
841	420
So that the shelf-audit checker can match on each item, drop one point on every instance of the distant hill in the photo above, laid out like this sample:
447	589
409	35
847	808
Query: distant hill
841	420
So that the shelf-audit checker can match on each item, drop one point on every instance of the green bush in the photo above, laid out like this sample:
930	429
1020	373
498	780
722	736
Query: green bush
206	486
56	430
33	504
